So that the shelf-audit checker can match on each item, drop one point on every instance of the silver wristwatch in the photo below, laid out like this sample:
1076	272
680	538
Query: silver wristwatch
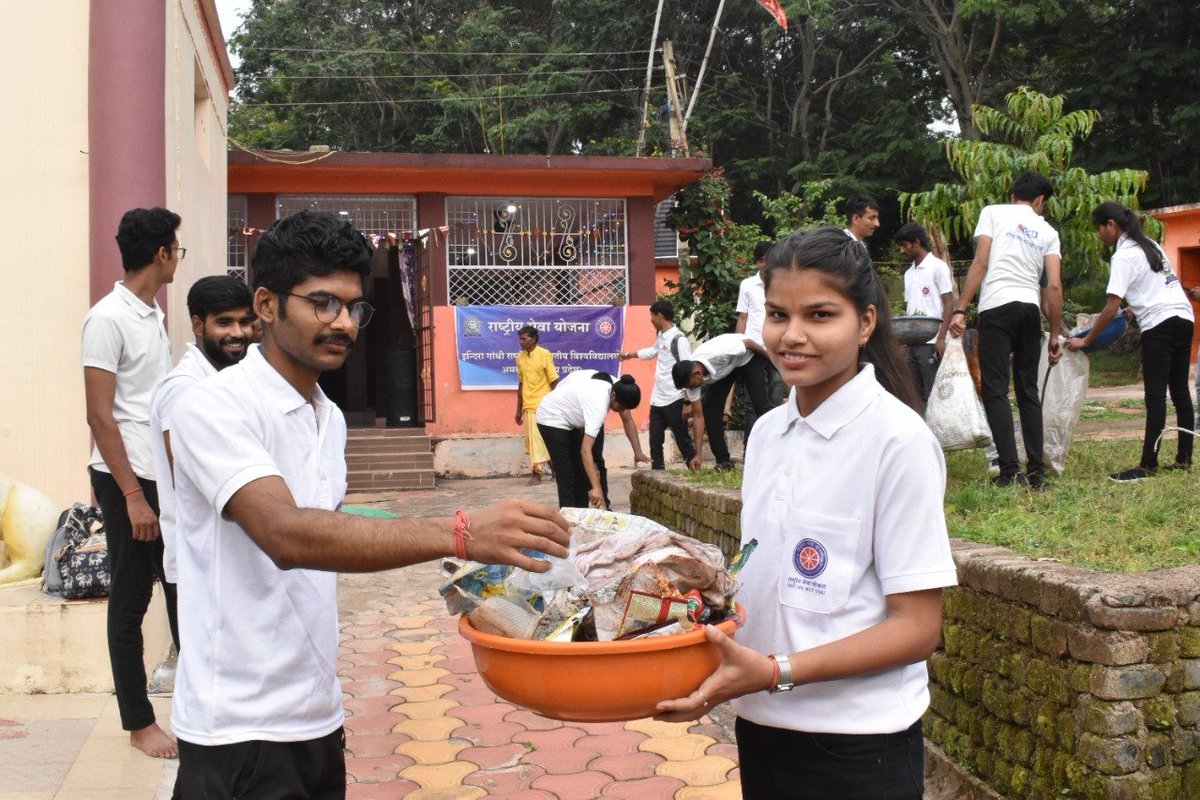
785	673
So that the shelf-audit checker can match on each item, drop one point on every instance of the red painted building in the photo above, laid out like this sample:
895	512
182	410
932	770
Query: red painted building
435	201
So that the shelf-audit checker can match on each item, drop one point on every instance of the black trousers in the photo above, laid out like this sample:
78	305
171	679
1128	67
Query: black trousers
756	378
717	392
566	459
310	770
1013	329
661	418
1166	350
135	566
778	764
923	362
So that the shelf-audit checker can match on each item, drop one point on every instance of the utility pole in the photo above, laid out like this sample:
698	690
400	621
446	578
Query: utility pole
678	128
645	123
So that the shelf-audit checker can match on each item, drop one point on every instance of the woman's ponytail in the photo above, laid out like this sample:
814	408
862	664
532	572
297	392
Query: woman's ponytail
1131	226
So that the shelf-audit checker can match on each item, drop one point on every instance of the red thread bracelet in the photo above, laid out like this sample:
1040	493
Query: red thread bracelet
774	672
462	532
132	492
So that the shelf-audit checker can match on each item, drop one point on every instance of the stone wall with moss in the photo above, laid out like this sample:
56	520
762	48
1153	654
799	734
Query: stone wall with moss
1052	681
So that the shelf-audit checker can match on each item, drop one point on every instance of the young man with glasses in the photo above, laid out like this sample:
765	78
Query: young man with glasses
260	469
125	353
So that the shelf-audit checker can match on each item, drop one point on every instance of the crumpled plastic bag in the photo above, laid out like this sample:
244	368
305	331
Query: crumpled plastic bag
954	412
632	572
1063	390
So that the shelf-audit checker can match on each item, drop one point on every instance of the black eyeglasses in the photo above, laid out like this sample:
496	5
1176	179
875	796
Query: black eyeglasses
328	308
182	252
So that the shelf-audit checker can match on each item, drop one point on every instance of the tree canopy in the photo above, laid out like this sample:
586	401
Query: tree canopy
857	94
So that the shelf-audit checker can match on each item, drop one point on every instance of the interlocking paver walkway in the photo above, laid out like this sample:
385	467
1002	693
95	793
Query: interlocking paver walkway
451	737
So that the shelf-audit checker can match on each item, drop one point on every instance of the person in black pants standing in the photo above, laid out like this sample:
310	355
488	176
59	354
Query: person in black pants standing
125	353
1013	244
666	402
1140	274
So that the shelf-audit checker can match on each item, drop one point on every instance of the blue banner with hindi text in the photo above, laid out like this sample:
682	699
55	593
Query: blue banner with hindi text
579	337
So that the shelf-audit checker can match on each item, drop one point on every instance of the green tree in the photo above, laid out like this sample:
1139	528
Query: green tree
1033	132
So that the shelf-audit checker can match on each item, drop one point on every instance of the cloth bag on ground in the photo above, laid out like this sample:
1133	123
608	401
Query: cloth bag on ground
954	412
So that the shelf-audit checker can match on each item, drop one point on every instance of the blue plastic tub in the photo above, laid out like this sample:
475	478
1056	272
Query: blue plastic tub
1115	330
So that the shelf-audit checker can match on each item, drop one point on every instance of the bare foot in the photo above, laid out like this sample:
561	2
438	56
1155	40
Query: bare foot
154	742
535	479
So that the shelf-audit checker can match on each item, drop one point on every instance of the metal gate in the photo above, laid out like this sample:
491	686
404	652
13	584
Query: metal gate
424	332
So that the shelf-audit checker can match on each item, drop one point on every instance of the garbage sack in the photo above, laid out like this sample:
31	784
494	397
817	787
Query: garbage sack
954	412
1063	390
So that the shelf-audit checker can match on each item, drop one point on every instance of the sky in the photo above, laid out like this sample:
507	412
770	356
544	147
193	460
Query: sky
230	12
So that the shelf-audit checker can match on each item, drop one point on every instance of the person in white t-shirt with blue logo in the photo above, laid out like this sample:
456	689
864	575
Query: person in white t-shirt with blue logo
928	292
1013	245
843	491
1141	276
260	470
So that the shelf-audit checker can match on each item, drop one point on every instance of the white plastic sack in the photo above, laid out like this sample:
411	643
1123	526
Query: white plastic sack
1063	391
954	412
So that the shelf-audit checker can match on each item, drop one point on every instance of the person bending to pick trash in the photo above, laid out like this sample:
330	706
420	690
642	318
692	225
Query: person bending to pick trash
843	490
571	421
1140	274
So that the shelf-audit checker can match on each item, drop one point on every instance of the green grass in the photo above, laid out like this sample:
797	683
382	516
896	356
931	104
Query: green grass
1085	519
1108	369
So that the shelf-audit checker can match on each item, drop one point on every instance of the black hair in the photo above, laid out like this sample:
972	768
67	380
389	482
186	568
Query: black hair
626	392
1029	186
528	330
761	249
307	244
142	232
664	308
681	373
216	294
1131	226
912	232
847	263
857	206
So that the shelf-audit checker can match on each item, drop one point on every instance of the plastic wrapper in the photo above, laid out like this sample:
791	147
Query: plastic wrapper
625	574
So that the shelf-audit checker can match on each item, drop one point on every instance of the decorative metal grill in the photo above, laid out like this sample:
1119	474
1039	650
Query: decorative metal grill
371	215
236	245
536	251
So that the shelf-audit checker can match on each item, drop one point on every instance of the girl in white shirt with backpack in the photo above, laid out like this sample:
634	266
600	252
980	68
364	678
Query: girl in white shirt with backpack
843	489
1141	275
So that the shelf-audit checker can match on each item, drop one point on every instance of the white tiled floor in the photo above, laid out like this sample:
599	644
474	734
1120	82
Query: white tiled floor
71	747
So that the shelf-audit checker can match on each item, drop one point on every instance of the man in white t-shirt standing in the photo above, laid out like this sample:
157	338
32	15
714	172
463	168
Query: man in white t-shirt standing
222	322
862	217
761	380
666	402
260	471
1013	244
125	353
928	292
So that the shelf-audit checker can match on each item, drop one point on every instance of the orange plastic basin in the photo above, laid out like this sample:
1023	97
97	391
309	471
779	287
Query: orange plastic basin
594	681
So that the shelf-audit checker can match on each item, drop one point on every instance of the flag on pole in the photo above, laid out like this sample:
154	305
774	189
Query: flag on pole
776	11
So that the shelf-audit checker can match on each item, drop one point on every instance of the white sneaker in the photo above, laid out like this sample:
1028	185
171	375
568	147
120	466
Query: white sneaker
994	467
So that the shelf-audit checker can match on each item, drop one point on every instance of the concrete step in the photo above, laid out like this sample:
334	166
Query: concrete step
388	459
378	461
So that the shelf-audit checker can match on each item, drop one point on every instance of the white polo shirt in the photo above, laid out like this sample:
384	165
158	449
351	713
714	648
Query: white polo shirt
752	301
665	392
126	337
721	355
1153	296
1021	240
258	651
846	505
924	285
191	369
579	401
